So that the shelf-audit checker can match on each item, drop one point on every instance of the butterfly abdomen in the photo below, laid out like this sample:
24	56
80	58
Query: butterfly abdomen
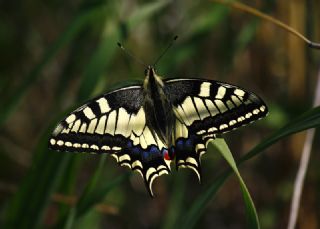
159	113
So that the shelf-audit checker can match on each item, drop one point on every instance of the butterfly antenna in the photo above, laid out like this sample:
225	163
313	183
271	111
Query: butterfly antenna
164	52
131	55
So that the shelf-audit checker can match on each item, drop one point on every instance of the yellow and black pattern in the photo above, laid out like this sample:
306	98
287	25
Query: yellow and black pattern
115	123
204	109
211	107
145	127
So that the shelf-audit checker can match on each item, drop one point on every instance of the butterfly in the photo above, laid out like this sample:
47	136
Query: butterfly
146	127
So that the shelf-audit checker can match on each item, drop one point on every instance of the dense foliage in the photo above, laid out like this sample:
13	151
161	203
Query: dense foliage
55	55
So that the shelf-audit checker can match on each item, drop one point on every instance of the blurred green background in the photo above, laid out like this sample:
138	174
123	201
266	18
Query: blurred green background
55	55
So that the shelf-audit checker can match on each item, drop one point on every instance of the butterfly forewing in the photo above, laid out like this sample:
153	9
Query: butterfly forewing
114	123
99	125
205	108
211	107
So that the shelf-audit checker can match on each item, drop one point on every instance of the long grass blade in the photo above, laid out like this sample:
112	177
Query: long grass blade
252	216
309	119
66	37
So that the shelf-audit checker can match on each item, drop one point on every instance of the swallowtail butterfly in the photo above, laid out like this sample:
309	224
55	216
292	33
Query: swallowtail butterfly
146	127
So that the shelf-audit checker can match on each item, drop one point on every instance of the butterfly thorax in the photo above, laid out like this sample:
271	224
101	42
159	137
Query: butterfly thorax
158	109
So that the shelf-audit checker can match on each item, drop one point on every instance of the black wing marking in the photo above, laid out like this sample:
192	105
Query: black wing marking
188	148
115	123
205	108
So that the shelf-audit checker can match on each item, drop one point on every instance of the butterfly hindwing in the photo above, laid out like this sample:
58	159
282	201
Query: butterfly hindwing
205	108
114	123
188	148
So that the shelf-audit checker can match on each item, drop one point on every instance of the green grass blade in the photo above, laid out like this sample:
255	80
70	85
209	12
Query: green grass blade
28	205
70	33
309	119
146	11
98	63
90	197
99	193
91	184
93	194
246	35
190	218
253	221
177	199
206	22
69	222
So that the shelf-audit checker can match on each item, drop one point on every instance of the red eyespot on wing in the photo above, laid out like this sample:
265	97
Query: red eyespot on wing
166	155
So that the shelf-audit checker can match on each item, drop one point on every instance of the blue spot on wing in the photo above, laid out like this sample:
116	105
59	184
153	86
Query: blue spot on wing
151	157
183	144
136	152
180	144
145	155
185	148
154	150
129	144
189	145
152	153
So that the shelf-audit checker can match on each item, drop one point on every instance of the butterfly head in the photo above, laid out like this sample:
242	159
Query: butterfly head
150	71
151	78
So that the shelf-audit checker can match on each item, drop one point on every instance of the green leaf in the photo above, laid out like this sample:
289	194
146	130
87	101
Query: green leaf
99	62
66	37
207	21
47	167
309	119
86	195
197	208
253	221
99	193
31	199
92	194
193	213
246	35
69	222
146	11
176	202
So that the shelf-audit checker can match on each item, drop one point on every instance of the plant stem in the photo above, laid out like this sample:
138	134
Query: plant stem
304	162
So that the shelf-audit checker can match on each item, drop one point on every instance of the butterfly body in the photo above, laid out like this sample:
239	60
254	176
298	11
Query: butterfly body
159	113
146	127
